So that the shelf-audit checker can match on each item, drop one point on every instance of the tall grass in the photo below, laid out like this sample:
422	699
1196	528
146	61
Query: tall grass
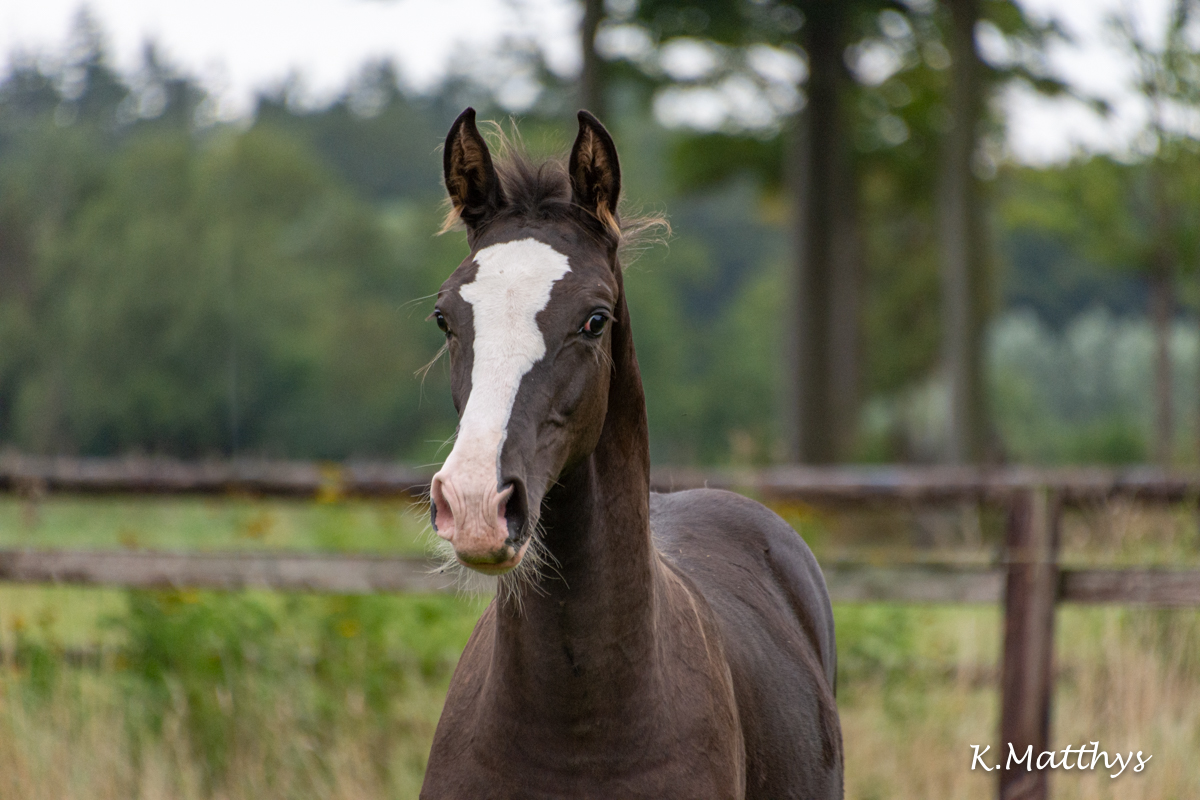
219	696
1129	679
234	696
263	695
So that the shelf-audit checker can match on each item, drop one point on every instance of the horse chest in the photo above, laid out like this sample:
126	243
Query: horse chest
586	764
671	734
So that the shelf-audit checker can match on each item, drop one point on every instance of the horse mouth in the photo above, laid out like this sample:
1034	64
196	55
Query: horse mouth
504	560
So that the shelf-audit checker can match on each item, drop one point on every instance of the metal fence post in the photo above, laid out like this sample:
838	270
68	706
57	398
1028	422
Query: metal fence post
1027	682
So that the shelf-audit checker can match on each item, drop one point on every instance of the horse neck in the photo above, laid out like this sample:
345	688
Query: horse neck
591	612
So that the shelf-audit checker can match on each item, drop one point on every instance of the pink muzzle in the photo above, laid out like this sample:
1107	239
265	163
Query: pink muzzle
472	518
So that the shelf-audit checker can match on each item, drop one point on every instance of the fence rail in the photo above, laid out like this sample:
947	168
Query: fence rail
917	486
363	574
1029	582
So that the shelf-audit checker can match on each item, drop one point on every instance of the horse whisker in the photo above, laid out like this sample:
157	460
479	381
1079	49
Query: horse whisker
423	372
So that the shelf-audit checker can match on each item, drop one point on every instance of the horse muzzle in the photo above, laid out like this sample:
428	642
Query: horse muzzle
484	524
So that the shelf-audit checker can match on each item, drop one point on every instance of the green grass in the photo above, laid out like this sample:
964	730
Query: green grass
74	617
267	695
250	694
199	694
65	616
185	523
255	695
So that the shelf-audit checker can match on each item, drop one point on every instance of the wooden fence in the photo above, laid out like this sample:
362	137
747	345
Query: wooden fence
1028	581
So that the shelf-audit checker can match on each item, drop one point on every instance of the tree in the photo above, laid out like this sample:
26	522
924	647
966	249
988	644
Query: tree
1108	212
964	285
824	324
1166	77
183	290
831	156
948	37
828	257
592	85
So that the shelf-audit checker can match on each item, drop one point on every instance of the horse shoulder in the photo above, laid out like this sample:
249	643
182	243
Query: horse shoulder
734	547
766	590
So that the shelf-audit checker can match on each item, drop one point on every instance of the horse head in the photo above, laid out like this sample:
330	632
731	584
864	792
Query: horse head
529	318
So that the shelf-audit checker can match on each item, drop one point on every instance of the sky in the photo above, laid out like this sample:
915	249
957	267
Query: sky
237	47
1045	130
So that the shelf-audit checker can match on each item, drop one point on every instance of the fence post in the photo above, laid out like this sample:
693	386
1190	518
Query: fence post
1027	681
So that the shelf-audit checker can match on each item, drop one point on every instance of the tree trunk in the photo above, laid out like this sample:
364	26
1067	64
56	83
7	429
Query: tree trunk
845	338
1162	305
964	279
1161	312
1196	411
826	313
591	79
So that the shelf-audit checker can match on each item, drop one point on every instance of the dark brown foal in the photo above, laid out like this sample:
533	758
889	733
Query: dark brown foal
640	646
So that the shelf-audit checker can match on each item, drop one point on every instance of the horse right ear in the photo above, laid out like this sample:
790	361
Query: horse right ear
594	172
471	179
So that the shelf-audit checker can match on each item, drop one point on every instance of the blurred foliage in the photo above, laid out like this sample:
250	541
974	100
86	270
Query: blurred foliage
170	283
1079	394
875	643
232	667
917	684
1103	210
897	114
194	292
194	654
227	523
201	289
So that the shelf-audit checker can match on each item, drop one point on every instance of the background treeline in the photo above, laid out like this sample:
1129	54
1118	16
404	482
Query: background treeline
170	283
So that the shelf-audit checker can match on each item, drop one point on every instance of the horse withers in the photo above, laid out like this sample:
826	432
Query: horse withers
639	645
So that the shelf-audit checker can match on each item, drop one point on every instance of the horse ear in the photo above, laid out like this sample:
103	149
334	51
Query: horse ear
471	179
595	173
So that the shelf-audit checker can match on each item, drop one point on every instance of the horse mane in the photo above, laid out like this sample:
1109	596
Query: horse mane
541	189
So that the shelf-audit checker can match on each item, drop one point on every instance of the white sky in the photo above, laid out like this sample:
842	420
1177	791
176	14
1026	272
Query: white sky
238	46
1046	130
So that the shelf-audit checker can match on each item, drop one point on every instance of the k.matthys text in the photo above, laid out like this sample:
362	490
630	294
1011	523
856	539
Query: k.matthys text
1084	757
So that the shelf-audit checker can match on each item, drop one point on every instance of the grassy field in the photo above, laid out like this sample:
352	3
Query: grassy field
213	524
263	695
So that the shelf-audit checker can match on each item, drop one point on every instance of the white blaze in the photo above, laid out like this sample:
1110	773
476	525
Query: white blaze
512	285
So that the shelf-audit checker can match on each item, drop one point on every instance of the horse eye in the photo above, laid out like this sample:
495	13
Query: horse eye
595	324
441	322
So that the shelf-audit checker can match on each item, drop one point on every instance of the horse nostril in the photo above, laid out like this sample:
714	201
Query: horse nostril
439	509
515	514
434	496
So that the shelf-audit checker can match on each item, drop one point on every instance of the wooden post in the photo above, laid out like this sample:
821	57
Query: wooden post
1027	684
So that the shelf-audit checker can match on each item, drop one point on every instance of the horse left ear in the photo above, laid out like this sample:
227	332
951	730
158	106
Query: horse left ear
595	173
471	179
